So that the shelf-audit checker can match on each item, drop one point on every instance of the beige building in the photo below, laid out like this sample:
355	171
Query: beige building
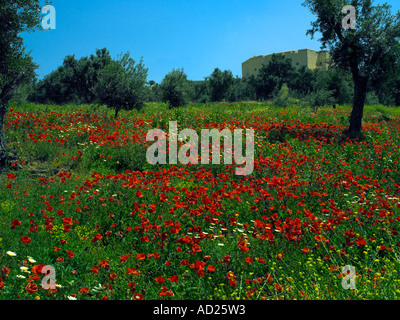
304	57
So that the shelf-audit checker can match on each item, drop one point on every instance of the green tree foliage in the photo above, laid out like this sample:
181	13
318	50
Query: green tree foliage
240	91
301	81
74	81
272	76
122	84
220	83
153	92
54	89
81	76
199	91
175	88
387	86
367	52
23	92
319	98
335	81
283	97
16	65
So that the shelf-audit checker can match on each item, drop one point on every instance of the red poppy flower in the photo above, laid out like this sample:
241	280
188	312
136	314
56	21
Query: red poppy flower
269	278
165	292
95	269
211	268
133	271
249	260
139	194
67	220
261	260
113	276
196	248
278	287
104	264
243	246
15	223
132	285
25	239
33	278
232	279
31	288
140	256
97	237
37	269
160	280
5	270
124	257
361	241
184	262
70	254
11	176
84	290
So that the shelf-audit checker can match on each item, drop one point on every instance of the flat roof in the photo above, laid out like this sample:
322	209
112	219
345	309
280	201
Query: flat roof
283	52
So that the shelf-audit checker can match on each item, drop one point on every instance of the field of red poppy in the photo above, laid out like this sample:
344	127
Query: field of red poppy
83	199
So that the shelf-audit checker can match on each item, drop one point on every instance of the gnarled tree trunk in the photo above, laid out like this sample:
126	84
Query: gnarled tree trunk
117	112
360	93
3	144
5	154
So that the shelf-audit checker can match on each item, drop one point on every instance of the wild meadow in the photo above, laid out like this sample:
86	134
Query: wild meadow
83	199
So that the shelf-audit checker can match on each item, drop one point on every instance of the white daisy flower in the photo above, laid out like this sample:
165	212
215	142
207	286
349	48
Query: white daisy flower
11	254
24	269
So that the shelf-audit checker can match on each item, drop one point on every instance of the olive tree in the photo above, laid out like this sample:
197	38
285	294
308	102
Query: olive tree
368	49
16	65
175	88
121	84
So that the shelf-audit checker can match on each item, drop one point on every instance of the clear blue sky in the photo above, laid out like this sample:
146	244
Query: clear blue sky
197	35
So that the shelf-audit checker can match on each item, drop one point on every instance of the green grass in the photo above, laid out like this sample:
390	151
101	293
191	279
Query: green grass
85	195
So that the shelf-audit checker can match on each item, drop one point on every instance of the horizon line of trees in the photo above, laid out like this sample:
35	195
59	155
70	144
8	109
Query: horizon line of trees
123	84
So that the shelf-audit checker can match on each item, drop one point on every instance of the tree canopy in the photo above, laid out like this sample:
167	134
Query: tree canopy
175	88
121	84
220	82
16	65
73	81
